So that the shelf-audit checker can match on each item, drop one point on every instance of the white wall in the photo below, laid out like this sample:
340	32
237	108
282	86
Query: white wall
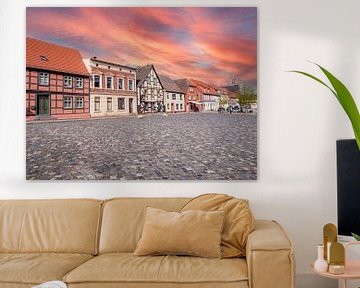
299	121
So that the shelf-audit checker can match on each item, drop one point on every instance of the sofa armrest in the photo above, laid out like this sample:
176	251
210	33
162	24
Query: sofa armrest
269	256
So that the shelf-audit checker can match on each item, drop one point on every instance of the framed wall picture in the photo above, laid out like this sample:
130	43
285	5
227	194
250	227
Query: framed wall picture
141	93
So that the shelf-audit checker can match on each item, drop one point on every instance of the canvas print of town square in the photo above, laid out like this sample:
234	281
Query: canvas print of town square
141	93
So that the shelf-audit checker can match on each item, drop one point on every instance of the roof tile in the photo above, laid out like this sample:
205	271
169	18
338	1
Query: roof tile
52	57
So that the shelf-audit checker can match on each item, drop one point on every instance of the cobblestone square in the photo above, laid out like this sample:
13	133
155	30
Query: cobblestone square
192	146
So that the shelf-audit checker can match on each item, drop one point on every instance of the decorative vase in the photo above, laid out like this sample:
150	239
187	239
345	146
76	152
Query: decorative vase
320	264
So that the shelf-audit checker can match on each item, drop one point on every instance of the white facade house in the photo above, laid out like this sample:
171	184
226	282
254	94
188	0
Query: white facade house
174	97
112	88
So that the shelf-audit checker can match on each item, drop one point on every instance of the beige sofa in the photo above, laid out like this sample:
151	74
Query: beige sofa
89	243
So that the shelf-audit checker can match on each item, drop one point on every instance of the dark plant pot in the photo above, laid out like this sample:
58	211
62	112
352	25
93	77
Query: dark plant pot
348	187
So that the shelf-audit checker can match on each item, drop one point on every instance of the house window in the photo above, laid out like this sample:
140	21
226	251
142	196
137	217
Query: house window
180	97
67	81
168	96
168	106
109	80
177	106
43	78
131	85
79	82
121	103
97	81
67	102
97	103
173	96
120	84
181	106
109	103
79	102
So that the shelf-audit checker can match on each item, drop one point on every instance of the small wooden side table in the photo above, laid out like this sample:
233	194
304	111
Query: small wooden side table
352	269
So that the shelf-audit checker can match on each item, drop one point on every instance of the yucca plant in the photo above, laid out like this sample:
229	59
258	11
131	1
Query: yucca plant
344	97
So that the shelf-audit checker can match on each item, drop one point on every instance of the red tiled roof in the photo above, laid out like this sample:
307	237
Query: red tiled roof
52	57
204	88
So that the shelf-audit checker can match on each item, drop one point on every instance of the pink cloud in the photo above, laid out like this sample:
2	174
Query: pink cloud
204	43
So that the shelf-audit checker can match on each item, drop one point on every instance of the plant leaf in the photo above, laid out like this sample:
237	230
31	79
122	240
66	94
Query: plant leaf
316	79
347	102
357	237
344	97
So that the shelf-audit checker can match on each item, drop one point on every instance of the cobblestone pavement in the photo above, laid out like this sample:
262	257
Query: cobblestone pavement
194	146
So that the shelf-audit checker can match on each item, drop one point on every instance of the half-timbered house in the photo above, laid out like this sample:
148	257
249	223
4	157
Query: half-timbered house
150	90
174	96
112	88
57	82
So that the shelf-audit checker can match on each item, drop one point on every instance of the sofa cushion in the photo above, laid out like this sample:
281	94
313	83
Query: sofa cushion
62	226
123	220
193	232
36	268
126	268
238	223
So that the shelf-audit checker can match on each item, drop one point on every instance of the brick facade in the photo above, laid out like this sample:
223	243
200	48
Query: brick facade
57	82
120	98
56	93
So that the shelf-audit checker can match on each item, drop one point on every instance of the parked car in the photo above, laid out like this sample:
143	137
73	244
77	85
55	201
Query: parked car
235	109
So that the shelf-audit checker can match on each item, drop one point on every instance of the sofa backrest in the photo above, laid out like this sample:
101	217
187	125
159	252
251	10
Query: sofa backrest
123	220
66	226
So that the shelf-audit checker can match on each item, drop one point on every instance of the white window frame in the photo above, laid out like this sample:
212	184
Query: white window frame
67	107
107	104
66	79
122	109
100	81
79	82
122	86
97	98
132	81
112	82
77	102
44	78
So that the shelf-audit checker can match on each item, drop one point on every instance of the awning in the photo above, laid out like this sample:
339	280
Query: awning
194	102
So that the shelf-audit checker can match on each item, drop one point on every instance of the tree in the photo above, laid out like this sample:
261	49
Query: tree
246	96
224	100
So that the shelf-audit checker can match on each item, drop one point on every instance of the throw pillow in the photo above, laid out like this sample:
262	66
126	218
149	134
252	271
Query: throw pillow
196	233
238	223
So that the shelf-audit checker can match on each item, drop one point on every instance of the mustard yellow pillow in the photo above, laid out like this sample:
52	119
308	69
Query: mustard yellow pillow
238	223
195	233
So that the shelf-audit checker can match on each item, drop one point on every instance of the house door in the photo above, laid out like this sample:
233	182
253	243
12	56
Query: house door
130	105
43	105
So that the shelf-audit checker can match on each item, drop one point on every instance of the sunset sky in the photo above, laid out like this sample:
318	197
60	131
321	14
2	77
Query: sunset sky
209	44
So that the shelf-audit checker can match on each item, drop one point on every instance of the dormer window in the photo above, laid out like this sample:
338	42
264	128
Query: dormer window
43	58
109	67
